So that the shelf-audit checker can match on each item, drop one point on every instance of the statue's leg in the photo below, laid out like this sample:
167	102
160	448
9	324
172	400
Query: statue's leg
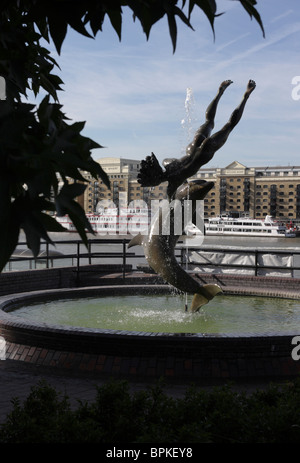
205	129
212	144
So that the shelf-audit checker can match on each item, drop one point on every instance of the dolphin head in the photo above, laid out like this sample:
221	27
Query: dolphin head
196	189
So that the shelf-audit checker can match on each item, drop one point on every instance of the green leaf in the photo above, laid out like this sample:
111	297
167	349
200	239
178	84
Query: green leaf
73	14
249	7
115	17
9	235
97	171
34	228
80	222
50	224
173	30
58	30
65	205
33	238
73	190
209	9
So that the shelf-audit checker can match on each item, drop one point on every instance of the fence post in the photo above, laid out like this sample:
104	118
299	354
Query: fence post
256	259
89	251
124	258
47	255
181	257
78	263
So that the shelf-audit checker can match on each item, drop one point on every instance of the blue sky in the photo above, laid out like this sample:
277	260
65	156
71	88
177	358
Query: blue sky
132	93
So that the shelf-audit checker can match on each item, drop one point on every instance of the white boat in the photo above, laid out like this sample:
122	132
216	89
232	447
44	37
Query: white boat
245	226
135	220
112	221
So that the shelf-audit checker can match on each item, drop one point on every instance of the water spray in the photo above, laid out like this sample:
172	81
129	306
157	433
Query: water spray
187	125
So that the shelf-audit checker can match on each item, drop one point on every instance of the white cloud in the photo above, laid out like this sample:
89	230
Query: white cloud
132	94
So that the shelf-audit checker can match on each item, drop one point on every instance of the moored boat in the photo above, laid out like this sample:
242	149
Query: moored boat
245	226
112	221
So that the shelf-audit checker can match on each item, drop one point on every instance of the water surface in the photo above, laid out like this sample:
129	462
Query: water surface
165	313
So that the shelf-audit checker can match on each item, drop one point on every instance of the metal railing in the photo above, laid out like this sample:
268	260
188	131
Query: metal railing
256	265
48	257
81	256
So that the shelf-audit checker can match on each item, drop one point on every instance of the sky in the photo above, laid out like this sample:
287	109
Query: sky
132	92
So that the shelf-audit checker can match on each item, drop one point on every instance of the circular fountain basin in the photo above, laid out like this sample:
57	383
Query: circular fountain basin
165	313
182	345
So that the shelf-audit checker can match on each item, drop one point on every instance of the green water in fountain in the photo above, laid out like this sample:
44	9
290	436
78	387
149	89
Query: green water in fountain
165	313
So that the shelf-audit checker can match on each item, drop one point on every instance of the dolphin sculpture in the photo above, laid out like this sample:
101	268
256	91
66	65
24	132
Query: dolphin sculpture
159	248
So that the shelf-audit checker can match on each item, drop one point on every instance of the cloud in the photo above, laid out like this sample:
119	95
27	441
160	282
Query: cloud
231	42
132	94
282	16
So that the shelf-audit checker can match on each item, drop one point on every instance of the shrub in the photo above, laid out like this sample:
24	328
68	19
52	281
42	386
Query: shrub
118	415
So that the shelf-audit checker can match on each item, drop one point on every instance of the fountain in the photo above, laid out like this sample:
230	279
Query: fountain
162	313
202	357
143	352
159	245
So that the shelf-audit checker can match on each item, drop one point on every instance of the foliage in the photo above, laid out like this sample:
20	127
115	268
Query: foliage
54	16
39	150
117	415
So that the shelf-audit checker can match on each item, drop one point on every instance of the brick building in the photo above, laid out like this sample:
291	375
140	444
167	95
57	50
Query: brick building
123	178
239	190
253	191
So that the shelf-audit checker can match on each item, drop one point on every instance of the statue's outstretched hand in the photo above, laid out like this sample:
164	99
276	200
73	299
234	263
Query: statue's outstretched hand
151	173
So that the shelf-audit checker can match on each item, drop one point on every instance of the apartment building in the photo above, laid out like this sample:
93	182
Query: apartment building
124	185
239	190
253	191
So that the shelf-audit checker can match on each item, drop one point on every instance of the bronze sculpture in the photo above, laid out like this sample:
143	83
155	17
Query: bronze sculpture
159	248
200	151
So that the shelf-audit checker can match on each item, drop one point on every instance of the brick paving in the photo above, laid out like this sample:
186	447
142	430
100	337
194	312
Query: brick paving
17	380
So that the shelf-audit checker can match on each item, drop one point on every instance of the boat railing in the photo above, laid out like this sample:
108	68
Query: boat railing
114	251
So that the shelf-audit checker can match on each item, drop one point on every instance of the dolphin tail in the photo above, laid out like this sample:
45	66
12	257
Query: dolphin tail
136	241
210	291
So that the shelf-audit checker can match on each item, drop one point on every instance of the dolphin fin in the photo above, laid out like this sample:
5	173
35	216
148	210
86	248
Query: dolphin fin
210	291
137	240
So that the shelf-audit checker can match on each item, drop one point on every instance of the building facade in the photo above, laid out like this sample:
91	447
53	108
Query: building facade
254	192
124	186
239	190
